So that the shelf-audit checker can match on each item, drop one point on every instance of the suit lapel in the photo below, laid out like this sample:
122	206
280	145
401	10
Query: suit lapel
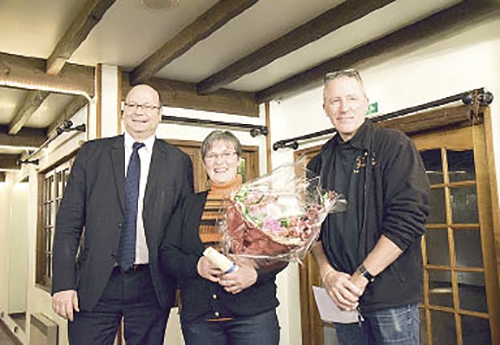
155	170
118	162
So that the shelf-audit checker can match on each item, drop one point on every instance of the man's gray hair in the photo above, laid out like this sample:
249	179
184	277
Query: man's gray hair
349	73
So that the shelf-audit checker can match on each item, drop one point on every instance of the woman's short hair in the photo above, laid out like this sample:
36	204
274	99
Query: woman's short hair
219	135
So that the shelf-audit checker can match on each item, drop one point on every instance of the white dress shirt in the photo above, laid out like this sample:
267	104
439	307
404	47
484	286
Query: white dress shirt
141	247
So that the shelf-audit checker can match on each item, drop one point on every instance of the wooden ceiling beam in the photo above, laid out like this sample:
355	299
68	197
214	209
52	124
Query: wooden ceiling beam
32	102
329	21
26	137
452	18
206	24
91	14
9	161
29	73
67	113
183	95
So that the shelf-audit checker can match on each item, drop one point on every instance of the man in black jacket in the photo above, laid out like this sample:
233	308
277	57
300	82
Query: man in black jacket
123	191
369	257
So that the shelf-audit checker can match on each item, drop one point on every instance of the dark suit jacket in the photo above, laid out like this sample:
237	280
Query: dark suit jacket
93	206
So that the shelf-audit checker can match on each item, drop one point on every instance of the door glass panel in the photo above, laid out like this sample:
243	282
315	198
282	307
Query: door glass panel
440	292
461	165
464	205
443	328
422	326
433	165
468	250
471	291
437	210
475	331
437	247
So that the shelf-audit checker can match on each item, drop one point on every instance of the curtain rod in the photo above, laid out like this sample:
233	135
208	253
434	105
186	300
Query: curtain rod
468	98
255	130
67	126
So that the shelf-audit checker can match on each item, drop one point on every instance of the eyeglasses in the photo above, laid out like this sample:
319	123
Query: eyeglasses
146	107
350	73
212	157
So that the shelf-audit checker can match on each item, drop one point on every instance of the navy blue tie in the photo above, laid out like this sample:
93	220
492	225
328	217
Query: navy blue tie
126	251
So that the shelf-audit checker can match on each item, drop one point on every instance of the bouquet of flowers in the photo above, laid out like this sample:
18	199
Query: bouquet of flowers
277	216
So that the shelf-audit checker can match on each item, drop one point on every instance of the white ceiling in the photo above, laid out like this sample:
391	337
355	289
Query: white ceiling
128	34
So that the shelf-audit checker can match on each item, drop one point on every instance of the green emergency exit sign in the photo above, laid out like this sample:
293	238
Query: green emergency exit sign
372	108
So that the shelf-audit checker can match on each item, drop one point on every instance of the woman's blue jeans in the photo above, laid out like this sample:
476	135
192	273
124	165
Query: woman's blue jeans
261	329
393	326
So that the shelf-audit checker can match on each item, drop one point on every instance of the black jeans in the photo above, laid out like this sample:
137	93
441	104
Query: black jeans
261	329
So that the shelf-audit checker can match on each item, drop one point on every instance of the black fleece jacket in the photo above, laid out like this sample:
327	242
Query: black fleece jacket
392	197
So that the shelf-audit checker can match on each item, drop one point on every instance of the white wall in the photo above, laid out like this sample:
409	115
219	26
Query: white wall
5	191
18	248
463	61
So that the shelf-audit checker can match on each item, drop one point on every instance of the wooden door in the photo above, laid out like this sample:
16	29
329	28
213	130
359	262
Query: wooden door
314	330
248	168
461	303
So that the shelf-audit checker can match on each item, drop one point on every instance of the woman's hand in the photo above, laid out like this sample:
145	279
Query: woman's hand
237	281
342	290
208	270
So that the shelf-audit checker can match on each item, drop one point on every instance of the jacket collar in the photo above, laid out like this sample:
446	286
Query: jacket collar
362	140
118	162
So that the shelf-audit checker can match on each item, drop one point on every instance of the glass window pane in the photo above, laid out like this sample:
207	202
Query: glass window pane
443	328
436	241
46	214
468	251
433	165
437	214
464	205
46	239
49	266
475	331
461	165
471	291
440	292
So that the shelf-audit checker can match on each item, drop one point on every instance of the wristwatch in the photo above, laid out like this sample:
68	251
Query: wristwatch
364	273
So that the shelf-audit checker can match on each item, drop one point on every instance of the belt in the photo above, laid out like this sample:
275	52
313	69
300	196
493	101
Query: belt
133	269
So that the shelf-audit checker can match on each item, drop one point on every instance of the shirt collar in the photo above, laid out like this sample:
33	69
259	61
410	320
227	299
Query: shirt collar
149	142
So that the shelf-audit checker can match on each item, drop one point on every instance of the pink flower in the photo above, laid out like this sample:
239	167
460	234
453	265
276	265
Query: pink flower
271	224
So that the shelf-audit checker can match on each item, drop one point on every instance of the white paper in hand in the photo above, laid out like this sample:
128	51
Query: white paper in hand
328	310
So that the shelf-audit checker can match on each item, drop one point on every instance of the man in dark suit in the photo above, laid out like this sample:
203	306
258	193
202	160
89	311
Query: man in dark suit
110	225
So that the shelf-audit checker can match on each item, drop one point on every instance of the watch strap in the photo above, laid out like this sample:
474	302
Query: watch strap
364	273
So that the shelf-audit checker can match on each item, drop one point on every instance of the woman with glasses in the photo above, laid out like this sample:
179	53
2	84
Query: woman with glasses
218	308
